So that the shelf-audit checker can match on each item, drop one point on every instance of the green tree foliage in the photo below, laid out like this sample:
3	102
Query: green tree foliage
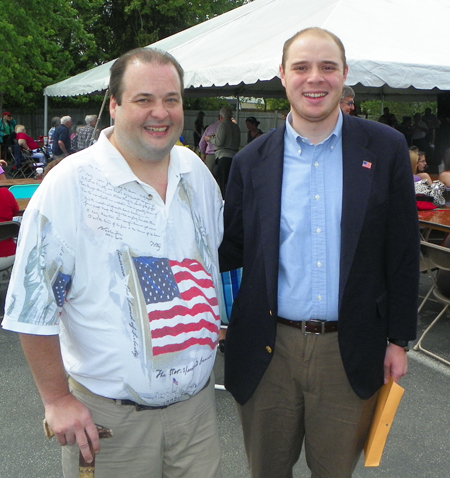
274	104
42	42
205	104
46	42
374	108
121	25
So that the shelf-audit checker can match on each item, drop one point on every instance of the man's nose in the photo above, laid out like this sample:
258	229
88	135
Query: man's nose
315	74
159	110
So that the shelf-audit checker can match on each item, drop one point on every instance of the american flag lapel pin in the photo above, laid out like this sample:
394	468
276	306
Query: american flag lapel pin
366	164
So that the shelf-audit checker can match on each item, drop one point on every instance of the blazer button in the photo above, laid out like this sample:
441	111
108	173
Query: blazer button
270	312
269	349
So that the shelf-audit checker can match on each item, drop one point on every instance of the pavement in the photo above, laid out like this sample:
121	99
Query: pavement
418	445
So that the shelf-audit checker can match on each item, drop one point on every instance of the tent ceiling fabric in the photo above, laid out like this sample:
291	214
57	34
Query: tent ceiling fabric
239	52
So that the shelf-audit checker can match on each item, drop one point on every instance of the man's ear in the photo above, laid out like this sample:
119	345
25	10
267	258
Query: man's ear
112	107
281	70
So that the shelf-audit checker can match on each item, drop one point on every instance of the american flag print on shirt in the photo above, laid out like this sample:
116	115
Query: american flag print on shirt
60	288
181	303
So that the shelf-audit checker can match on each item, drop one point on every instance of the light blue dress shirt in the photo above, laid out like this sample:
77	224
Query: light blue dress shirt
310	229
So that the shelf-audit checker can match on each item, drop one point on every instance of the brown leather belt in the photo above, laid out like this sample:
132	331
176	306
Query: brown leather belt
311	326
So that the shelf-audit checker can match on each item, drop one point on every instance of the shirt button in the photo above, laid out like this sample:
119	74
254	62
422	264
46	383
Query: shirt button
316	164
316	197
269	349
332	147
150	196
319	264
318	230
319	297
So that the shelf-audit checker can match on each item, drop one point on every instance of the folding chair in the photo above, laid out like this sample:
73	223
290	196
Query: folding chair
435	257
424	269
24	166
8	229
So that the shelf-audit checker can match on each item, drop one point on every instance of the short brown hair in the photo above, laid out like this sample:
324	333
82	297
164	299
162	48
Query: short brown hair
145	55
317	31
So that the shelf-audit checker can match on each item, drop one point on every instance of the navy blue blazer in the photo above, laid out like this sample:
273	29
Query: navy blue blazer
379	265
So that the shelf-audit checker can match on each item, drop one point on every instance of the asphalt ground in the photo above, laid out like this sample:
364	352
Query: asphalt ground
418	445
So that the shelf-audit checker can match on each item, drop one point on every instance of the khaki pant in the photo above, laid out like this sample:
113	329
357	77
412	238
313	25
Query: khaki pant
305	395
180	441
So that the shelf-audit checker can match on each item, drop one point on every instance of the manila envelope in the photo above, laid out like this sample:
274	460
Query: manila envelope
387	404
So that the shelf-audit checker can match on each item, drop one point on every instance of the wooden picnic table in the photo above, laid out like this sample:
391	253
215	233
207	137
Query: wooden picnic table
12	182
23	203
438	219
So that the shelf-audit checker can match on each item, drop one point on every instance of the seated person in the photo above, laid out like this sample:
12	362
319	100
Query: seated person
444	177
421	166
29	144
2	172
8	209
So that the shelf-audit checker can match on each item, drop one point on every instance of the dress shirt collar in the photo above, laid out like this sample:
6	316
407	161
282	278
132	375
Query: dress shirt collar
116	168
297	140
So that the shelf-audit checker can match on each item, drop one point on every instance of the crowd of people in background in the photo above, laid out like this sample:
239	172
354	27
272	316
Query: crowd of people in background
62	140
428	134
425	132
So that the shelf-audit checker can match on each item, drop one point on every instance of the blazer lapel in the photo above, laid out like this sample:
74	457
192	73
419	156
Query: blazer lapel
358	170
266	181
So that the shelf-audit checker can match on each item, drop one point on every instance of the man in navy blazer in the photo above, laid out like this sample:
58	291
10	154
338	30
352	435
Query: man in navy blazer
321	215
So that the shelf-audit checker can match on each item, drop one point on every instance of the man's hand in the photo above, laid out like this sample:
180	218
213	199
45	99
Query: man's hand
71	423
66	416
395	363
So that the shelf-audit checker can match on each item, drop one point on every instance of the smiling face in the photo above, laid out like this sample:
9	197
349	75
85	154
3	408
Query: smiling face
149	120
314	77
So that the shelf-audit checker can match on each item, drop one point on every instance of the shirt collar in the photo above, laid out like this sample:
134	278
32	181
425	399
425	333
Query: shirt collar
116	168
295	138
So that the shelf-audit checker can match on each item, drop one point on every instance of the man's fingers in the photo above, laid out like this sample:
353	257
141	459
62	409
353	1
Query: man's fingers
92	433
61	437
84	446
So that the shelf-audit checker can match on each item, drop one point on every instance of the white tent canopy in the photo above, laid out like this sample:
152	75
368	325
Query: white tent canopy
393	47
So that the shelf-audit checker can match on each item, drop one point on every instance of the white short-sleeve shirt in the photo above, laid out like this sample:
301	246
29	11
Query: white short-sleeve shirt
130	283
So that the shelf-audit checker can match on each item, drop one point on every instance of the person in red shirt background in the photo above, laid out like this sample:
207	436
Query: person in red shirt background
29	144
8	209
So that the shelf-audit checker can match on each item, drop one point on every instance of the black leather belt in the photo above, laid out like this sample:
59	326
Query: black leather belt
311	326
138	406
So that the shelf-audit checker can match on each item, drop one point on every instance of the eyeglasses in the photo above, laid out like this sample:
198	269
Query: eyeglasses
349	103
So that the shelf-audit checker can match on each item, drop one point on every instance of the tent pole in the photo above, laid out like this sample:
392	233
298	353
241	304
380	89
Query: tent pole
94	133
238	108
45	114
